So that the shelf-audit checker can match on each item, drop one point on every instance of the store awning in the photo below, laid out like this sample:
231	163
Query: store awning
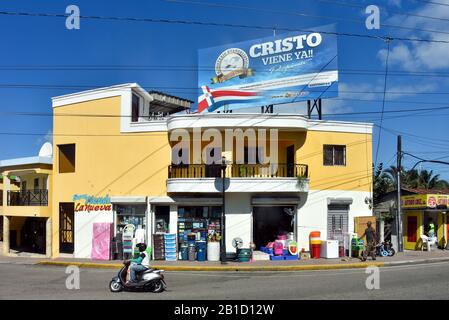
198	201
339	201
261	200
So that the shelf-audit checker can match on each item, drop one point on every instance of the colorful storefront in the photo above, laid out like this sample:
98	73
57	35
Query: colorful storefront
417	212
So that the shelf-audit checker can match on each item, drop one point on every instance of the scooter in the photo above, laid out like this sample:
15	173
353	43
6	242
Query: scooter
151	280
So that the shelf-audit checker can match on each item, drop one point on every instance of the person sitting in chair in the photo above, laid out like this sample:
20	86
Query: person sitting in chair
430	228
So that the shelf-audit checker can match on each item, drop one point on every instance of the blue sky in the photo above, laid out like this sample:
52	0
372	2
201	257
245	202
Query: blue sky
44	41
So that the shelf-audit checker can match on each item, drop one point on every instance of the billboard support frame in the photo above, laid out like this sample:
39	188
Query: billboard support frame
316	105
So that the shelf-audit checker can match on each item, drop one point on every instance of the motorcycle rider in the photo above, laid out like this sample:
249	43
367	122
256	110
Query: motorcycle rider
141	263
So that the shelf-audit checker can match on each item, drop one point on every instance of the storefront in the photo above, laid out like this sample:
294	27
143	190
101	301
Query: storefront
419	212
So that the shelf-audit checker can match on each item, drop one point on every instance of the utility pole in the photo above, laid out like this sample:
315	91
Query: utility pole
398	201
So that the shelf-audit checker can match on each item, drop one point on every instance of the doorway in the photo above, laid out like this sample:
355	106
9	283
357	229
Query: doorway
32	235
269	222
337	221
66	227
162	218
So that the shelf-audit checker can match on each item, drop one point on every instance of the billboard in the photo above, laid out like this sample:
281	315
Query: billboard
273	70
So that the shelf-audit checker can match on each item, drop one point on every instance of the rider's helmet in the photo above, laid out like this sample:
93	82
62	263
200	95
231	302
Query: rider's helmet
142	247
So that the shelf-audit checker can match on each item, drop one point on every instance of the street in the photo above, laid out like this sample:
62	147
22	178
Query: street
424	281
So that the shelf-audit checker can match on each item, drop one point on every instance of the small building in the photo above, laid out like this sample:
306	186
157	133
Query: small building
126	164
418	210
25	205
417	207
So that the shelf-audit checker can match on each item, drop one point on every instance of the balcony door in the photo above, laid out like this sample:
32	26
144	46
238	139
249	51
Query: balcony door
66	227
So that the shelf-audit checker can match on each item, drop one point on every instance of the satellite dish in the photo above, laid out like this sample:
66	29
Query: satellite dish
46	150
237	243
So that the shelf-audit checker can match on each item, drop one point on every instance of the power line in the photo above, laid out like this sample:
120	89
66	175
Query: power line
87	87
49	114
383	100
216	24
408	14
296	13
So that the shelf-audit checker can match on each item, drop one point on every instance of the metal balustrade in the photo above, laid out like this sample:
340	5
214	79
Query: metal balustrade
195	171
36	197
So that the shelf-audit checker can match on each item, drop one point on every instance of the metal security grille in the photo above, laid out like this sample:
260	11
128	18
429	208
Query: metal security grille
337	221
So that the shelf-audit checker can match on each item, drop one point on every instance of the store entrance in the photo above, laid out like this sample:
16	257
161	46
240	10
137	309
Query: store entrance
269	222
66	227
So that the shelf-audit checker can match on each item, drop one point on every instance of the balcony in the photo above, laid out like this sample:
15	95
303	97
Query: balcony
239	178
37	197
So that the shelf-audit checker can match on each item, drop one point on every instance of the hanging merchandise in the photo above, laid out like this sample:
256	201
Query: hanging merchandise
293	248
140	235
128	236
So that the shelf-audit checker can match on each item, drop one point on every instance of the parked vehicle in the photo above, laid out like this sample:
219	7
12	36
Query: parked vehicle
151	280
385	249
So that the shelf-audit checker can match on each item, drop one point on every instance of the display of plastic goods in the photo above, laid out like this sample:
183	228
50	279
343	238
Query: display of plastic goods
278	248
201	248
184	252
315	244
244	255
213	251
170	236
192	252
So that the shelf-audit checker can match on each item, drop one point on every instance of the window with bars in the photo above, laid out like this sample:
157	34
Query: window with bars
334	155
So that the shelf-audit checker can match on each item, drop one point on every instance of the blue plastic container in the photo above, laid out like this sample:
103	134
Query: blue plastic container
184	252
201	249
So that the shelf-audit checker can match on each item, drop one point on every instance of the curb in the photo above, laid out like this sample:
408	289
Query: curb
221	268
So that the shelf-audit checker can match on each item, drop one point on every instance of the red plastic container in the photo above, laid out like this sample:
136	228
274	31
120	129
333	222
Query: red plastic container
315	251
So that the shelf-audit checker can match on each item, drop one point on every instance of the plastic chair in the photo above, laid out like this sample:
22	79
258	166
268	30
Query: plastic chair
426	242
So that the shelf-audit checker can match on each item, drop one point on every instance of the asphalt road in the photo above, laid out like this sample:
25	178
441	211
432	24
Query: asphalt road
428	281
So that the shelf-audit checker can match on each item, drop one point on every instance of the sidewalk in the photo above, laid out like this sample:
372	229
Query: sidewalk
403	258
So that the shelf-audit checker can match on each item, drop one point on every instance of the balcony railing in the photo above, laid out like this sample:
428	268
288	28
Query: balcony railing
37	197
238	171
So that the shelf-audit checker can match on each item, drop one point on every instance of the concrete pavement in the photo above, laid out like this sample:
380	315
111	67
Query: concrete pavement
420	282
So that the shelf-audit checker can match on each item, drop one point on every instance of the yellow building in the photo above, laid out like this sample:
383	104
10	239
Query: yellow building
25	206
123	155
421	209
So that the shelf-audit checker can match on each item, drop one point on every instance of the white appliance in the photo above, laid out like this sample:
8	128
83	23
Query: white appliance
329	249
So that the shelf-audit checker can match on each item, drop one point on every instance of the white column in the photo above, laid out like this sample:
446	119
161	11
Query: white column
173	221
6	235
6	188
48	231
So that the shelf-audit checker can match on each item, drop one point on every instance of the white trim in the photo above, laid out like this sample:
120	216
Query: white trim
128	199
26	161
210	185
291	122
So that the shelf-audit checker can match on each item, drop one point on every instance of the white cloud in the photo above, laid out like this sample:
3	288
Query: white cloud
422	56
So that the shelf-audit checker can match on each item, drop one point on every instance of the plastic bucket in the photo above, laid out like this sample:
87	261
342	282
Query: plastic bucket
192	253
315	244
184	252
244	255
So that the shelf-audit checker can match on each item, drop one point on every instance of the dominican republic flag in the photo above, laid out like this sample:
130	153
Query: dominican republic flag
212	99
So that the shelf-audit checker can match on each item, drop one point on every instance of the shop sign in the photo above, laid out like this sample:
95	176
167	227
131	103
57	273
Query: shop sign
282	69
87	203
424	201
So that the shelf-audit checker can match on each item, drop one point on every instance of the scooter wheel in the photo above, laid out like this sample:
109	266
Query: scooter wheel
158	287
115	286
391	252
